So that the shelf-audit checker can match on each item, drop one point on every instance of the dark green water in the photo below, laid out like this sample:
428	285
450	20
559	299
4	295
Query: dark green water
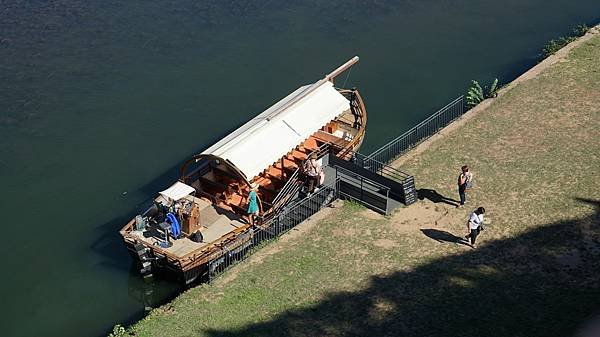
100	98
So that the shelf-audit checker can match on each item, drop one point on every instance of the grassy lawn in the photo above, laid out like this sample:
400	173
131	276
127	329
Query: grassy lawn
535	154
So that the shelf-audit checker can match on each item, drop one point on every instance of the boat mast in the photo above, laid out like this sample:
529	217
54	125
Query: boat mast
328	78
332	75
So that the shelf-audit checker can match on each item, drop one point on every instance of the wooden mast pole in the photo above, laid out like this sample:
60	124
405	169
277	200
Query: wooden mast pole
328	78
332	75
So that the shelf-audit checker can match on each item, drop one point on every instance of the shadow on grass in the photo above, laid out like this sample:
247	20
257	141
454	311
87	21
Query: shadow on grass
443	236
514	287
435	197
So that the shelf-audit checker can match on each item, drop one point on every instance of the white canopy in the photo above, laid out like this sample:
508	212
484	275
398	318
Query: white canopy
177	191
269	136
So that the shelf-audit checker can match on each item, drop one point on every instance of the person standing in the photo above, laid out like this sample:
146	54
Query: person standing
313	169
475	225
254	203
465	180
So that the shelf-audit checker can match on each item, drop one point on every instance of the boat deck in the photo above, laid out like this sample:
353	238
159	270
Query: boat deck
216	222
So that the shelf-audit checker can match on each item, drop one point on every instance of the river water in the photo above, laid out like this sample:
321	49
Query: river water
103	100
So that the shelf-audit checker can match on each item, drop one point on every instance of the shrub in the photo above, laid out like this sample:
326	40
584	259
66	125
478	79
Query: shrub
493	92
581	30
476	94
555	45
118	331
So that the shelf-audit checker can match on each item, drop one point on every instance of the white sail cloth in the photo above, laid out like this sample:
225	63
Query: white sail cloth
269	136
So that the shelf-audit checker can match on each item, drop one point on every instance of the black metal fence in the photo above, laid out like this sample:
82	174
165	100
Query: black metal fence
378	167
390	151
407	194
352	186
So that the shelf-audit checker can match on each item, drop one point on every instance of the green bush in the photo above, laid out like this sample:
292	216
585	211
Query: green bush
581	30
556	44
118	331
493	91
477	94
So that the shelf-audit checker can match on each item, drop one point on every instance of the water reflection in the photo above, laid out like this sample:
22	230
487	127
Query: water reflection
150	292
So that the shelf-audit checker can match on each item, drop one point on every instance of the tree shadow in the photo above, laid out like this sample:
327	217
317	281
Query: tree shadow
443	236
435	197
511	287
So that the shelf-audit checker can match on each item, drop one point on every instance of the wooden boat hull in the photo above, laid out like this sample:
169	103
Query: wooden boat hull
194	270
203	260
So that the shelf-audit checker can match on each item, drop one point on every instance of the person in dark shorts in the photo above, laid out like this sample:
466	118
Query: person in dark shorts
464	181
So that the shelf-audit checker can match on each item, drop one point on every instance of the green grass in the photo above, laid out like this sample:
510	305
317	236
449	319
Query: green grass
297	277
535	153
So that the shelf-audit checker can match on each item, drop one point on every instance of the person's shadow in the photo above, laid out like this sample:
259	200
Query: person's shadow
435	197
443	236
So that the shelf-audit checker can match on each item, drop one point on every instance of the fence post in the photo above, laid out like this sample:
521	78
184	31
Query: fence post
361	188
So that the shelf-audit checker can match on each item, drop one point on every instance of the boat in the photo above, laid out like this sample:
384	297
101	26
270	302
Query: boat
187	224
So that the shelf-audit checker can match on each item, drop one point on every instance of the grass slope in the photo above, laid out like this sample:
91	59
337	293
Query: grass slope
535	155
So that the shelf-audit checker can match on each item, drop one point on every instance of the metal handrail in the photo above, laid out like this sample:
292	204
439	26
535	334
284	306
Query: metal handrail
289	185
311	197
354	175
425	123
268	221
381	165
292	186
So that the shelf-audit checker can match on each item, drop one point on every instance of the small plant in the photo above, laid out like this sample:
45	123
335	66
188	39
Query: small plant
493	91
354	206
555	45
477	94
118	331
581	30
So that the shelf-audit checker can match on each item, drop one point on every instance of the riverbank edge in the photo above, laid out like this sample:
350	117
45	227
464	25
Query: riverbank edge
443	133
532	73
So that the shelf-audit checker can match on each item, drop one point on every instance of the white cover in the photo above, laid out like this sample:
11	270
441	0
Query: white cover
276	131
177	191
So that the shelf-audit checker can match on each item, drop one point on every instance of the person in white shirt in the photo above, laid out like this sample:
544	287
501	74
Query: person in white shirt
475	224
313	170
